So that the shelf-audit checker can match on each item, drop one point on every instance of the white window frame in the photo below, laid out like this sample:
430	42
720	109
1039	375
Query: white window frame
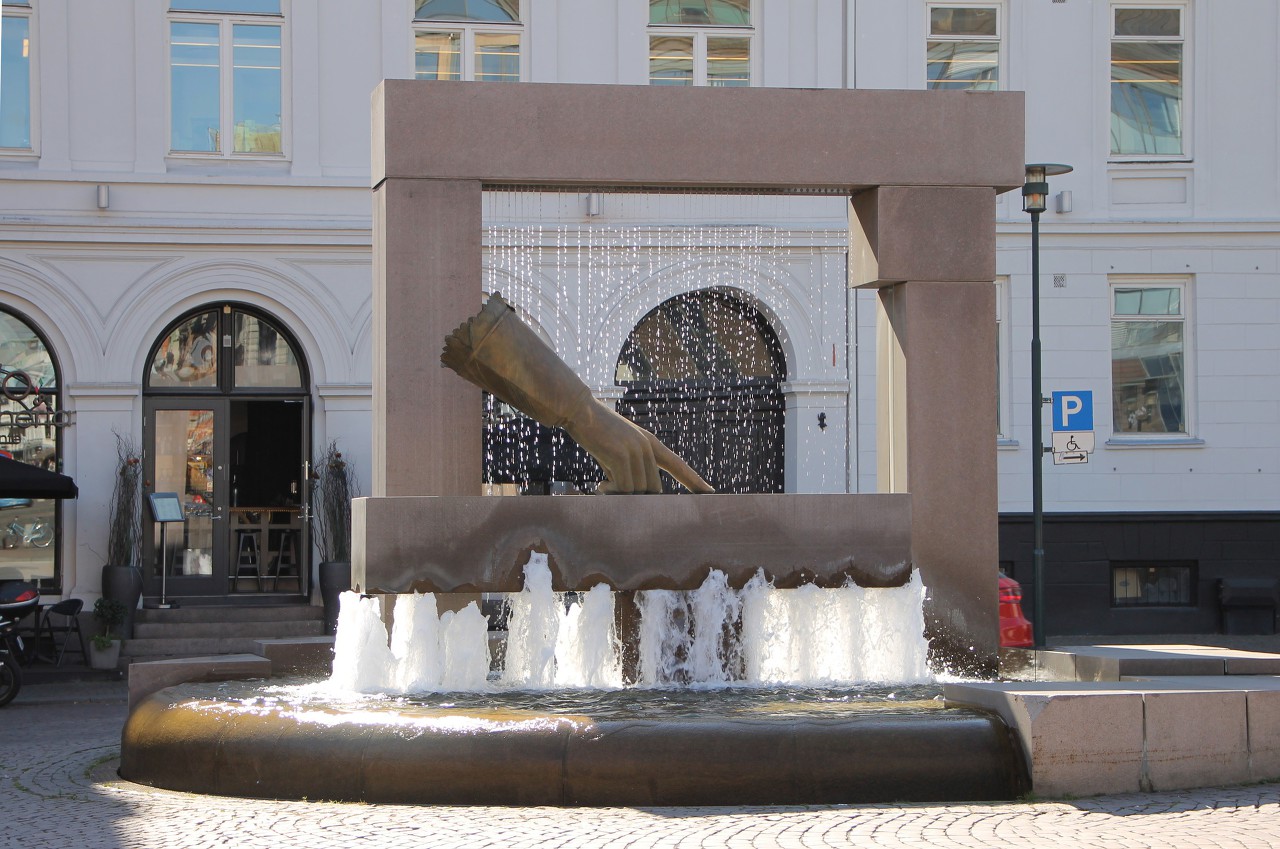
1184	19
33	57
226	93
1184	284
700	34
1004	365
1001	42
469	30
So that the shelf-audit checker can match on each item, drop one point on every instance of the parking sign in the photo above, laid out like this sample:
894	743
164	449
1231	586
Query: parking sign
1073	410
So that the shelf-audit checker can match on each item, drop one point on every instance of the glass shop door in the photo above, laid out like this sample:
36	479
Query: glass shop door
186	452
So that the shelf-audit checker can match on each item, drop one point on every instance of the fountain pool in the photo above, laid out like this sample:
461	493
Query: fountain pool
738	700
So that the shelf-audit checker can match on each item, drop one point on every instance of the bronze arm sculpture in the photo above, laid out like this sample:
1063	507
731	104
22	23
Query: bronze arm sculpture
496	351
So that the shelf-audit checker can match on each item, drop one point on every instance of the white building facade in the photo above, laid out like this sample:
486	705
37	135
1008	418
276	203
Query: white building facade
185	261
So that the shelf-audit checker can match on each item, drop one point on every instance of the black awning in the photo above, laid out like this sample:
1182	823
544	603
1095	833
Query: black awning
19	480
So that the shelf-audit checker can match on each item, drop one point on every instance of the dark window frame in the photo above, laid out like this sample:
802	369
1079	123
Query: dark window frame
225	383
1183	595
52	584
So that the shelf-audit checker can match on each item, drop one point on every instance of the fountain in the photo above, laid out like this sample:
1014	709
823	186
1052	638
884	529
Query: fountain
922	169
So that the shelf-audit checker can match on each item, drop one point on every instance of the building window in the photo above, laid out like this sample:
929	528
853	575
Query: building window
700	42
1141	584
31	425
259	354
15	77
485	33
1148	358
1147	72
964	48
226	77
1003	348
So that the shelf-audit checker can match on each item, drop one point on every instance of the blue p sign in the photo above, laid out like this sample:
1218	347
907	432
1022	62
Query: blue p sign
1073	410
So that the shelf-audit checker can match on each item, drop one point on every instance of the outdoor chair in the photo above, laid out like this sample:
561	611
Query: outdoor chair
63	619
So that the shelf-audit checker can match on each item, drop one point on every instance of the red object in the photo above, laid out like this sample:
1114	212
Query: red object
1015	629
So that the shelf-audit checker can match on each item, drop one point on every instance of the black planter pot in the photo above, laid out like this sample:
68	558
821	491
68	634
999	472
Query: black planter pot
123	584
335	579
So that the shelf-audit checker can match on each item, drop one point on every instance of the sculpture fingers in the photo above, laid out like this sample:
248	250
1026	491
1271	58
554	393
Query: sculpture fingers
671	463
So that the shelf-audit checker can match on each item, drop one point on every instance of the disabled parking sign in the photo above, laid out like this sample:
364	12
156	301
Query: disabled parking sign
1073	410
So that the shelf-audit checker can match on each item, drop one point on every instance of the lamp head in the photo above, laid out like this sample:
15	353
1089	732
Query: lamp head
1035	189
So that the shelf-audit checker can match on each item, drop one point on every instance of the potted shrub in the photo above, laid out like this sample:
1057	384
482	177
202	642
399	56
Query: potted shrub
122	573
333	486
104	647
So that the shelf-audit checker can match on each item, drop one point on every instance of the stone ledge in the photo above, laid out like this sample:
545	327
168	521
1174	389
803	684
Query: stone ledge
298	655
634	542
1086	738
1117	662
151	676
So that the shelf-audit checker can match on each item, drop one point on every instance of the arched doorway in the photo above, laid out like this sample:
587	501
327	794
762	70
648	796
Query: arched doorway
31	424
704	372
226	426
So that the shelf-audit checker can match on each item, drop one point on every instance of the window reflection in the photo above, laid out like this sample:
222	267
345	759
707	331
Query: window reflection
220	68
498	57
671	60
256	88
505	11
258	353
263	358
730	13
15	82
437	56
729	61
188	355
1146	82
1147	368
29	410
195	82
963	52
486	32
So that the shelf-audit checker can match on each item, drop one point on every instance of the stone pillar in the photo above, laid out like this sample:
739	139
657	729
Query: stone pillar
931	252
427	281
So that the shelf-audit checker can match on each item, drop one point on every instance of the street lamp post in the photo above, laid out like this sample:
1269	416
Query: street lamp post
1035	193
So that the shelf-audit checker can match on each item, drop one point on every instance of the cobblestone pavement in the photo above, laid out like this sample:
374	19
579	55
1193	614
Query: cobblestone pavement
58	789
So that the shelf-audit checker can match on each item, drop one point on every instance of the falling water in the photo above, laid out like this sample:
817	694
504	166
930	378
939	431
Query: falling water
713	635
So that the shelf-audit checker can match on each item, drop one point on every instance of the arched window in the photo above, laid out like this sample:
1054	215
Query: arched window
224	348
703	371
504	11
31	424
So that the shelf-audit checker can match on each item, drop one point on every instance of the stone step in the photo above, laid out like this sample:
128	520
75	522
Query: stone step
148	647
261	630
263	613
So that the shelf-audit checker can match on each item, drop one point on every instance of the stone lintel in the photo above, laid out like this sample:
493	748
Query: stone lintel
630	542
752	139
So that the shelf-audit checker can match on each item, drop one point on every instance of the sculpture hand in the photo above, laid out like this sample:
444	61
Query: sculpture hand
629	454
496	351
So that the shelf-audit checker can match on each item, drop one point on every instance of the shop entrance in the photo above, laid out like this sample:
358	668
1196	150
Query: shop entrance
226	424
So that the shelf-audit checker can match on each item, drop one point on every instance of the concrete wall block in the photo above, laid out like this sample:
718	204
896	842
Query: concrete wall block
1195	739
1264	734
1077	740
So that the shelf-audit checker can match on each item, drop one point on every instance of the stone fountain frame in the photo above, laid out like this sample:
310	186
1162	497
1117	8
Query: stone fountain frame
922	170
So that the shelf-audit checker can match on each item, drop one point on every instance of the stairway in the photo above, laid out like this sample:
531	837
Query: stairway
201	631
